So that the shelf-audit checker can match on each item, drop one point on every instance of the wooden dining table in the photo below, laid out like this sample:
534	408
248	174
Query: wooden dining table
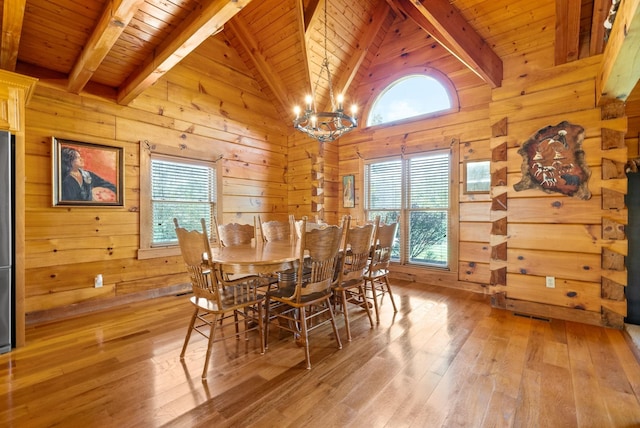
257	258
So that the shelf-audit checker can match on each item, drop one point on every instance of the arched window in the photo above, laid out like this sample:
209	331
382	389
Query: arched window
409	96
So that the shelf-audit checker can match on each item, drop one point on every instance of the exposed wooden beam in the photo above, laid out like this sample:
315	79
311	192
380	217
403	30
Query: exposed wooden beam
116	16
567	30
600	13
12	18
208	19
620	68
304	21
362	48
309	12
443	21
250	44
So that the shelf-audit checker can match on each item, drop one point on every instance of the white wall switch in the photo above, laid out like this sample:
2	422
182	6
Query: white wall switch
551	282
98	281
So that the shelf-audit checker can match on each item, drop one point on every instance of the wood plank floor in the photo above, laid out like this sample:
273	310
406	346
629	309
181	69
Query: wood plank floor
445	359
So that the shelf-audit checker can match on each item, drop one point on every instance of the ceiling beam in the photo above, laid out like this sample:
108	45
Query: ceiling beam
250	44
208	19
443	21
362	48
12	19
309	12
600	13
567	30
115	18
620	67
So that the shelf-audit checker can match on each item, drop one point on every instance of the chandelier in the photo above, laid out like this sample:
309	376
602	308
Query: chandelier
325	126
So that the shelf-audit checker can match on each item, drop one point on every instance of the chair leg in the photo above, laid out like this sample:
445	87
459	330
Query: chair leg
393	302
209	345
261	328
374	294
304	335
267	305
186	339
335	327
365	303
345	311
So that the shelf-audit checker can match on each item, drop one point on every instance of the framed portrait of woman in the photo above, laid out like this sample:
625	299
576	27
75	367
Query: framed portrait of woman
87	174
348	191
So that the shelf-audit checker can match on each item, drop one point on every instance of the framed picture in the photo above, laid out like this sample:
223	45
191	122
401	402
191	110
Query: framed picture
348	191
477	176
86	174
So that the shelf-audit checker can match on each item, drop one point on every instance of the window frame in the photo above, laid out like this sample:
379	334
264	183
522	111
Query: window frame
389	81
405	211
183	155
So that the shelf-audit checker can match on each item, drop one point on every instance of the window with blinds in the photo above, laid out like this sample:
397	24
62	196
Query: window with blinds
182	190
415	192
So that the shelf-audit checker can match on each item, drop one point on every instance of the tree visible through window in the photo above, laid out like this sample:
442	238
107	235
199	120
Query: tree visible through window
413	191
409	96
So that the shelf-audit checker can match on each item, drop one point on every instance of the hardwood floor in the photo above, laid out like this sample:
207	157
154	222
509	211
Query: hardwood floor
445	359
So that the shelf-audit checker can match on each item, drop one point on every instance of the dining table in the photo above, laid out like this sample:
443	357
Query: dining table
258	257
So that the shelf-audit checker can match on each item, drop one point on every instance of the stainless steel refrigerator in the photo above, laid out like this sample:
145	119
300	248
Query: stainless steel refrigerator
7	308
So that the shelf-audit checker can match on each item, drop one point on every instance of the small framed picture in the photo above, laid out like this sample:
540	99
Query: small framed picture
348	191
477	176
86	174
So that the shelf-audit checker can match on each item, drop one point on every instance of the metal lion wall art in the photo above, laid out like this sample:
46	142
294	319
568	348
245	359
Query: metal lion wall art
553	161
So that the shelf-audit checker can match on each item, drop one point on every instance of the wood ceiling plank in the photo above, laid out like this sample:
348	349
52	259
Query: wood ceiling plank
450	29
202	23
620	69
12	19
115	18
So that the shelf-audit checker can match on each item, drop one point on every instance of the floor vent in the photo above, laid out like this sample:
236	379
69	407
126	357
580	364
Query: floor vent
533	317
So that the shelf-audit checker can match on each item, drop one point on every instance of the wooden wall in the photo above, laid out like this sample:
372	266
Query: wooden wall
210	102
509	251
542	234
467	132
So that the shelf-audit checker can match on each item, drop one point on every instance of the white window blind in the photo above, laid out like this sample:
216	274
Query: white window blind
414	192
182	190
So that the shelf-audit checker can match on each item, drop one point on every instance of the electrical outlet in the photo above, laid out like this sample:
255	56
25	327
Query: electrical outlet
551	282
97	282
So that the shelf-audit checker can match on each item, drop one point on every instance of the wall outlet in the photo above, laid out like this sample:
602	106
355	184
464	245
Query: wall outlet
551	282
97	282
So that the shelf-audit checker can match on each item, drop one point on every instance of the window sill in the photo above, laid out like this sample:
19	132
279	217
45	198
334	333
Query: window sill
153	253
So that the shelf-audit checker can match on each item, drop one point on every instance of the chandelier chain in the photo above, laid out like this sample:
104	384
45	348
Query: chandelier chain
322	125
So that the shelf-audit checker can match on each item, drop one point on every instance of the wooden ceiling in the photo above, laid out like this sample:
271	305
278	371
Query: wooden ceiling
127	45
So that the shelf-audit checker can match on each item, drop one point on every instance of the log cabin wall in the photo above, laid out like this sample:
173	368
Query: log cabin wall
466	132
537	235
508	242
210	102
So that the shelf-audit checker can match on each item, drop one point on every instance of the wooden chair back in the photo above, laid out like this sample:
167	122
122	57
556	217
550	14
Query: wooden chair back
275	230
232	234
382	244
319	249
196	253
356	251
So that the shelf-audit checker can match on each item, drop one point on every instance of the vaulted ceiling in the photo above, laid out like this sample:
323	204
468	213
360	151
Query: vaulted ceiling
125	46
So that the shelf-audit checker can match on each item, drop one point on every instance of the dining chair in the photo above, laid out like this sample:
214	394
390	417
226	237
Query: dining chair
276	230
232	234
376	276
348	287
305	305
213	303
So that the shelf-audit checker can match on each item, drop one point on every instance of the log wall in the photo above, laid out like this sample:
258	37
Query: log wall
508	242
220	109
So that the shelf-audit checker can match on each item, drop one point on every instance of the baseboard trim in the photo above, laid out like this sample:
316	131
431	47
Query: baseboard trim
90	306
